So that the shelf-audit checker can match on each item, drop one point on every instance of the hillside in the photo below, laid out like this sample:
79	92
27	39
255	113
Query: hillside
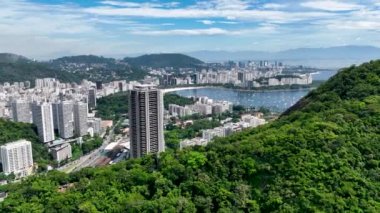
86	59
165	60
17	68
67	69
321	156
11	58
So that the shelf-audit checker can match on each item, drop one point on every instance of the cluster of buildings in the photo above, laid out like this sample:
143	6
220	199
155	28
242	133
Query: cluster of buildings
203	106
247	121
247	74
62	112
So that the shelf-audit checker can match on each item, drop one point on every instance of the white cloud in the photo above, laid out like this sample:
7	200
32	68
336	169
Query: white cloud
328	5
207	22
247	15
354	25
274	6
222	4
188	32
144	4
228	22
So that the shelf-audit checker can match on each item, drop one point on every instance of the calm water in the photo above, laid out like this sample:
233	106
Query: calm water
276	100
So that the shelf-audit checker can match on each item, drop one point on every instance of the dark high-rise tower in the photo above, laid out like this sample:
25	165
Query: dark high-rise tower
146	120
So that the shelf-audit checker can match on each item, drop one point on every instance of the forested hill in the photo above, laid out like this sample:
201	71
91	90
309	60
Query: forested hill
321	156
165	60
15	68
11	58
86	59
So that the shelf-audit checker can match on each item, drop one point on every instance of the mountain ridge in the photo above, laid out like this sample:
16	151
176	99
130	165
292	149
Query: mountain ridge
162	60
338	56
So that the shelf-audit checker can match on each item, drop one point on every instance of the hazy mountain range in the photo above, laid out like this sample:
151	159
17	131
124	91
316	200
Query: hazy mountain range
332	57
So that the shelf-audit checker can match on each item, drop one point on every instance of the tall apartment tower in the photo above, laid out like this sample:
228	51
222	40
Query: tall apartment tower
17	157
80	119
55	107
66	119
146	113
91	98
21	111
43	119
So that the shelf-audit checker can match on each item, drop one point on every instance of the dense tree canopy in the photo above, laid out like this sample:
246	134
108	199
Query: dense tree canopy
322	155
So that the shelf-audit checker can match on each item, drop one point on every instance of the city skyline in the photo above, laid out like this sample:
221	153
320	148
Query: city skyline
116	28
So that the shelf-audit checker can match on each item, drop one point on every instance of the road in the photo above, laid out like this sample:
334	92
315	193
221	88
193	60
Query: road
92	157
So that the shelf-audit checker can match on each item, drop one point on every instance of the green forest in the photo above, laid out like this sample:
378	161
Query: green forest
322	155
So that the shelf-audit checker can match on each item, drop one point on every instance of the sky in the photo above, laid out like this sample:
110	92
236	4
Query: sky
45	29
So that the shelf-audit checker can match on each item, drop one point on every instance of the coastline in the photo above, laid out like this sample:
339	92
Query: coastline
258	90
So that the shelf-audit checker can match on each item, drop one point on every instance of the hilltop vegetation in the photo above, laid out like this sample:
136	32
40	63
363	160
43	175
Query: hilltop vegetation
322	155
17	68
85	59
98	68
165	60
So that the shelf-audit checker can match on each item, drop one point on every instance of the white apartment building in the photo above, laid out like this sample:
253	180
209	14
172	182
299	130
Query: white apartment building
43	119
21	111
16	157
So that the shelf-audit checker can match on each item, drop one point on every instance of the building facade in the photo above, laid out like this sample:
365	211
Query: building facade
66	119
80	119
21	111
91	98
17	158
62	152
43	119
146	112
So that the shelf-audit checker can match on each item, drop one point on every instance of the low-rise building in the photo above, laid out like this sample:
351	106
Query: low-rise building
61	152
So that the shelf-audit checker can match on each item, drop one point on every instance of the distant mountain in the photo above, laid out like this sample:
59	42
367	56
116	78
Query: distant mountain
165	60
86	59
11	58
18	68
98	68
322	57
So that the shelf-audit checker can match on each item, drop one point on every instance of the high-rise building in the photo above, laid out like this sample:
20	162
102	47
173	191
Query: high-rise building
21	111
43	119
66	119
80	119
146	112
55	114
91	98
99	85
17	157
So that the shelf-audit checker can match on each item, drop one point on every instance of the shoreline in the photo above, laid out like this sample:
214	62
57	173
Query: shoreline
263	89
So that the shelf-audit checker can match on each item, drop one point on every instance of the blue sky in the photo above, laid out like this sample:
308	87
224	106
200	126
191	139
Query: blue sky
46	29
